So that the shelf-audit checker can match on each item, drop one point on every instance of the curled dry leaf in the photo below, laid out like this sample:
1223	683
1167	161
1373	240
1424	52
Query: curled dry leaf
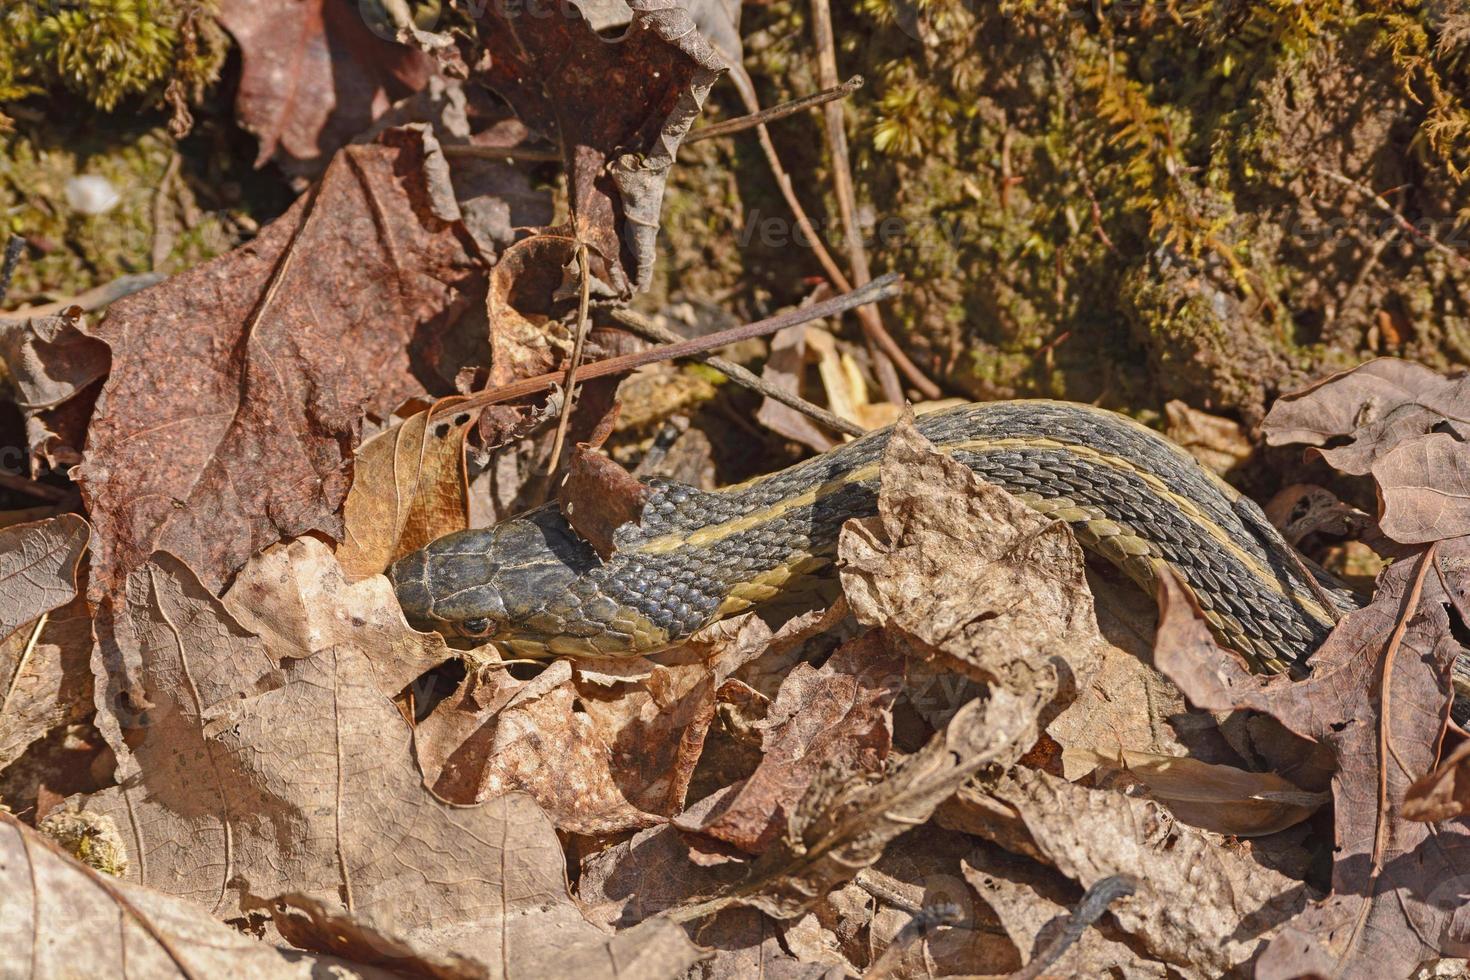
238	387
313	75
45	678
598	496
1444	793
1396	884
618	112
969	576
61	918
408	487
1407	425
1218	798
1199	903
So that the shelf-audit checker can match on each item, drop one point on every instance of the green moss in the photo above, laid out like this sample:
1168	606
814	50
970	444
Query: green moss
106	51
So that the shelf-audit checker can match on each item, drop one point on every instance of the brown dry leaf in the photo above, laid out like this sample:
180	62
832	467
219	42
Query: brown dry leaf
1397	886
38	568
237	388
45	678
313	76
599	762
969	576
61	918
784	369
51	362
408	487
1218	443
277	764
1218	798
1199	904
617	111
1031	904
836	718
1443	794
598	496
1407	425
1377	405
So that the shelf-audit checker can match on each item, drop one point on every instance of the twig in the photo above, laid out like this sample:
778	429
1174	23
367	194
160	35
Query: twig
1404	225
649	330
584	270
746	88
857	256
742	123
1094	903
25	657
879	289
13	247
501	153
924	922
93	299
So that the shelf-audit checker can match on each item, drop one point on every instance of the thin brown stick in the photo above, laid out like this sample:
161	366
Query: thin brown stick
1403	223
857	256
584	270
649	330
879	289
754	119
93	299
531	154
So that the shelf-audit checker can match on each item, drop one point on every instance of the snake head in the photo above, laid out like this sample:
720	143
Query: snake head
488	582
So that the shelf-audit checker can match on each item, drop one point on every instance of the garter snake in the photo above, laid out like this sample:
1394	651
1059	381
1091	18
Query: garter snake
1132	497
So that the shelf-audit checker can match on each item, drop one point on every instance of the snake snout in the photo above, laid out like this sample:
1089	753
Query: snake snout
410	584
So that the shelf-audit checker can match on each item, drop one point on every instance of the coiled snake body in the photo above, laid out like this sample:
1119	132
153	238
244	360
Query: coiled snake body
695	557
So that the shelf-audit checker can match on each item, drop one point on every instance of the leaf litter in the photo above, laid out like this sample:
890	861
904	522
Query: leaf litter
965	764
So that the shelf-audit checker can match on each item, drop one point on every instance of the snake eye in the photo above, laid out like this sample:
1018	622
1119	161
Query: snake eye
476	627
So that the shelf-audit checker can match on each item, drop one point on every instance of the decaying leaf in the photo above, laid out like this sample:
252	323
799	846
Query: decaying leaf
277	764
598	496
313	76
1398	887
60	918
53	361
617	111
1030	902
408	488
237	387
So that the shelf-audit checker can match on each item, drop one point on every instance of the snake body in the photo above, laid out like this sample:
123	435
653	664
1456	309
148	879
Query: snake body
695	557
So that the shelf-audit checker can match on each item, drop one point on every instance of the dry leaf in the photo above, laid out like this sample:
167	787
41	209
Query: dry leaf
45	678
56	366
1396	884
836	719
784	369
1218	798
313	76
408	487
598	496
273	765
1444	793
1199	904
968	575
38	568
60	918
618	117
237	387
1030	902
